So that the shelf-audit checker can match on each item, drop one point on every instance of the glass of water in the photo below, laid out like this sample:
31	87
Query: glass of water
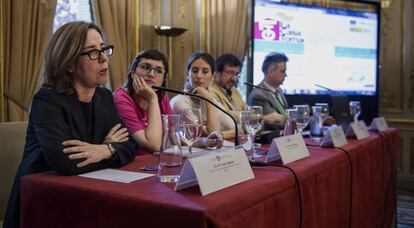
324	112
355	109
170	159
302	117
253	121
191	125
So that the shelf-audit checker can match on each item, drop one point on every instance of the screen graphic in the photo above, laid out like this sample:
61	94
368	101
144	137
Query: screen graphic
326	47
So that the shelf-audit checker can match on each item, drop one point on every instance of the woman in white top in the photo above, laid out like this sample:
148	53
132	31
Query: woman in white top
200	74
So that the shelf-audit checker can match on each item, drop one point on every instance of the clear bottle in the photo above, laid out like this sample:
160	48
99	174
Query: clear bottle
290	125
170	159
316	122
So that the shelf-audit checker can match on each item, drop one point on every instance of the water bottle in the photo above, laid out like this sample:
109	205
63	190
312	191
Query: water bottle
290	125
316	121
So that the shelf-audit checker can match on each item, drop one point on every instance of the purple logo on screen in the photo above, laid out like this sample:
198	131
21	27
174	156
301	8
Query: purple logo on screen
276	30
267	29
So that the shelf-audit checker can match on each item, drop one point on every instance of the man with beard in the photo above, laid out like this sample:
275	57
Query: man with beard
224	88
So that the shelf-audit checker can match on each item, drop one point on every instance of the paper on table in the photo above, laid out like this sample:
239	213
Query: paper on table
116	175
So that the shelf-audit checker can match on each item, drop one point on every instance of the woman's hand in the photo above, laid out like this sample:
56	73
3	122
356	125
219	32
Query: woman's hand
142	89
214	139
92	153
201	91
117	134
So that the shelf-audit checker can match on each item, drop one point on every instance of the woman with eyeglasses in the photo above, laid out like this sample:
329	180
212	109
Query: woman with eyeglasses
139	105
200	74
74	126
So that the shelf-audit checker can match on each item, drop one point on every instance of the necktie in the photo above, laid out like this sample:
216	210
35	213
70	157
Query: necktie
279	104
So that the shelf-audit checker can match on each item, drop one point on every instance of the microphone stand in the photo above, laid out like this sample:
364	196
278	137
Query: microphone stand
236	140
259	87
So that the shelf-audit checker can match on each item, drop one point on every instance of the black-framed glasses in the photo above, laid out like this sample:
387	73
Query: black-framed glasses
232	74
159	71
96	53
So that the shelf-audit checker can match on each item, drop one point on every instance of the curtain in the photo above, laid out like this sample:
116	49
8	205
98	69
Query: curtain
226	27
119	21
27	28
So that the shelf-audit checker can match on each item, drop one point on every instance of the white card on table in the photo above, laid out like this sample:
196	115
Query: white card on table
335	136
215	171
289	148
358	129
116	175
378	124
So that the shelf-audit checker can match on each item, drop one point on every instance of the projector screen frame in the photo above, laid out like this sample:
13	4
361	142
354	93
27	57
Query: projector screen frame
369	102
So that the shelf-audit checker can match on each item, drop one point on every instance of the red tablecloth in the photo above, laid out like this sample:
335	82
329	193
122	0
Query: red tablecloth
269	200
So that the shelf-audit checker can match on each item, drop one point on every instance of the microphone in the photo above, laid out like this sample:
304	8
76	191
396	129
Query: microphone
259	87
236	140
325	88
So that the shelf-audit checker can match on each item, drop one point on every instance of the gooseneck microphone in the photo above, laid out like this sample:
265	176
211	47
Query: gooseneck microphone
236	140
259	87
325	88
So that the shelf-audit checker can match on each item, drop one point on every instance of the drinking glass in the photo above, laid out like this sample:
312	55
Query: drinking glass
253	120
170	159
324	112
245	138
355	109
290	124
190	127
302	117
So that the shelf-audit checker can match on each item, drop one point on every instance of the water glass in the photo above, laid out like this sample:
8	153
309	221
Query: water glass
355	109
246	140
170	160
253	121
302	117
290	125
191	125
324	112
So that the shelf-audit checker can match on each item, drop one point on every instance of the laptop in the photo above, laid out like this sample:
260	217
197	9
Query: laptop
340	104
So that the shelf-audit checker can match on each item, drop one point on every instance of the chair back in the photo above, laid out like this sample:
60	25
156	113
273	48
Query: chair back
12	140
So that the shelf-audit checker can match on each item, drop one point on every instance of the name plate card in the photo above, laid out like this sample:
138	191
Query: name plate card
215	171
335	137
379	124
358	129
288	148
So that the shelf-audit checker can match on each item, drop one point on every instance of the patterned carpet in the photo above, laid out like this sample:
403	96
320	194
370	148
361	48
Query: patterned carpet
405	209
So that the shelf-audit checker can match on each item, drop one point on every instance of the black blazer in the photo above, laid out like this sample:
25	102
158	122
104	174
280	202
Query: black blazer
54	118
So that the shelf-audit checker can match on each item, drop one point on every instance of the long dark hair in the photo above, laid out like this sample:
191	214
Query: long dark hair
197	55
63	50
147	54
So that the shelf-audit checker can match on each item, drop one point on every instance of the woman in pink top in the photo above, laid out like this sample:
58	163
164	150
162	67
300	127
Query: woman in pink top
139	105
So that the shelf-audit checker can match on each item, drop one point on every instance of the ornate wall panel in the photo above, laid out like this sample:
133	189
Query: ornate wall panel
2	32
391	59
397	81
182	46
410	105
150	11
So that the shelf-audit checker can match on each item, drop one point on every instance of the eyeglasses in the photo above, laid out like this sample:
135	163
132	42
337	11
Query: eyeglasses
232	74
96	54
159	71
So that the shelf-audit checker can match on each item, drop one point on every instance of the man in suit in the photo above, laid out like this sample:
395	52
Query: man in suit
270	96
